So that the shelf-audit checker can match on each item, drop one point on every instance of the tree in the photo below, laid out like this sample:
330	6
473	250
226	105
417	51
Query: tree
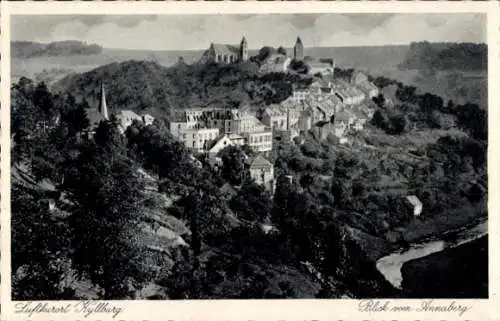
105	223
39	244
252	202
379	100
399	124
281	51
380	119
233	164
108	136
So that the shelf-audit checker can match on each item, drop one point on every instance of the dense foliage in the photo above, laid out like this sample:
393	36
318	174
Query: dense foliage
334	211
140	85
28	49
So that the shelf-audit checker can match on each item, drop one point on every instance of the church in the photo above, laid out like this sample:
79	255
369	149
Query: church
227	54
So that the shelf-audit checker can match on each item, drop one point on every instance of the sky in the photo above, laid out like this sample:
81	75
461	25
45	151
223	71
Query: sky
195	32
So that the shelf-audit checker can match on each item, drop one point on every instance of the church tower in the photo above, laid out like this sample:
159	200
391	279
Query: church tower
103	108
298	50
244	49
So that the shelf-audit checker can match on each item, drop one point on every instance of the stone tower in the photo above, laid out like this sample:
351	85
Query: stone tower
298	50
244	49
103	108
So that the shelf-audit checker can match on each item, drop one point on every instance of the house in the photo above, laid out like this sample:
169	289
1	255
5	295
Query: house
275	117
415	204
236	139
227	54
147	119
358	78
360	119
179	122
321	67
349	95
260	141
276	63
368	88
281	117
300	94
221	143
305	120
126	118
322	129
261	171
198	138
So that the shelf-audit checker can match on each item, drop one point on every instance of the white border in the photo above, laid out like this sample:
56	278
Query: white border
258	309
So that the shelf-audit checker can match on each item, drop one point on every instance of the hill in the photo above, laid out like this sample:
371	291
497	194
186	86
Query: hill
28	49
146	85
456	272
446	56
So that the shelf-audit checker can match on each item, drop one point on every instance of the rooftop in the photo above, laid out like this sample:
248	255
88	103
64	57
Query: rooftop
225	48
259	162
414	200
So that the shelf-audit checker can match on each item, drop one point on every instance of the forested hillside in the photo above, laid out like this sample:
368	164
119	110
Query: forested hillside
95	240
139	85
446	56
28	49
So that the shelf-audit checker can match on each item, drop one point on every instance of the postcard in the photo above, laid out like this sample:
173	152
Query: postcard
249	161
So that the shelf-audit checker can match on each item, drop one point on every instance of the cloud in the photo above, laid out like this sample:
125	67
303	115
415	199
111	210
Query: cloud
174	32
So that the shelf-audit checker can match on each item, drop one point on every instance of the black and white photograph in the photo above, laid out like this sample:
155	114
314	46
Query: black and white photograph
248	156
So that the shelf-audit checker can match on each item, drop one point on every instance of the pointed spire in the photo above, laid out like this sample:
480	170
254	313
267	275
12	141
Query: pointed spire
244	40
103	108
298	40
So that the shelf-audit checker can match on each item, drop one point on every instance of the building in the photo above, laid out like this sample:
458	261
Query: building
320	67
322	129
236	139
298	50
197	127
227	54
349	95
415	204
300	94
221	143
180	122
275	117
198	139
369	89
103	107
281	117
259	141
358	77
276	63
126	118
261	171
147	119
305	120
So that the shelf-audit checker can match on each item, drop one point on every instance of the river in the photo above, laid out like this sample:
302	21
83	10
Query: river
390	265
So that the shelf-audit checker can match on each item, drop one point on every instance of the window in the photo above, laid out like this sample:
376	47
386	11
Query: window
194	135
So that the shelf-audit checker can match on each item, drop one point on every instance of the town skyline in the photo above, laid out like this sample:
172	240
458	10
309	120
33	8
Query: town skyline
196	32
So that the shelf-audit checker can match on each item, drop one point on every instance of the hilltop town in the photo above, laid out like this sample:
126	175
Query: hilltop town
330	106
